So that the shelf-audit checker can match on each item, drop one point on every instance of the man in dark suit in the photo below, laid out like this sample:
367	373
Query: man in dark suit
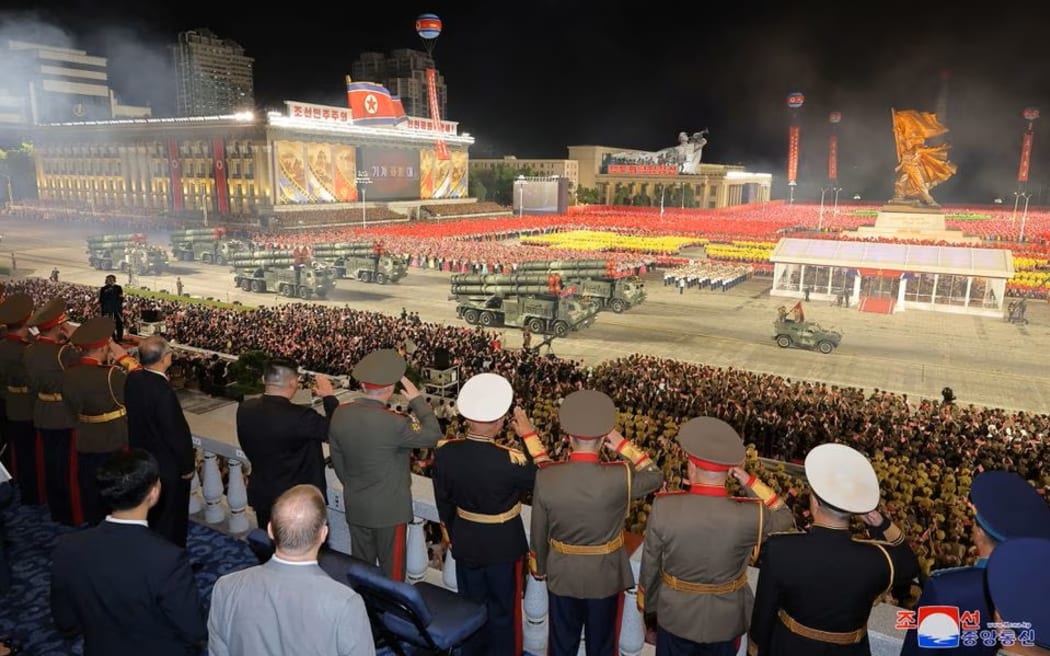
128	590
281	439
156	423
111	303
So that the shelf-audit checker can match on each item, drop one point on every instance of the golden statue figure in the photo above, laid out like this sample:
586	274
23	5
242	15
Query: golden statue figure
919	167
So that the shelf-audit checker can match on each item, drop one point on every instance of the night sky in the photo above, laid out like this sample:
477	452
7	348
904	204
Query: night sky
531	78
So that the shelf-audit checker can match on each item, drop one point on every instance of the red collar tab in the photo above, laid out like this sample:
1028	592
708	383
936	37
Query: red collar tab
708	490
583	456
14	338
87	360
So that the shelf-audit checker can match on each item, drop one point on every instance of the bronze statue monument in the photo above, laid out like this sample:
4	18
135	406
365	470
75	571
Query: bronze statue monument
920	167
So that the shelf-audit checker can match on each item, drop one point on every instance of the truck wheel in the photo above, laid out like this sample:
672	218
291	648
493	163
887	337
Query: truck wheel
123	267
220	260
535	326
470	315
304	292
381	278
258	286
487	319
561	329
246	284
282	290
321	293
617	305
206	258
783	341
825	347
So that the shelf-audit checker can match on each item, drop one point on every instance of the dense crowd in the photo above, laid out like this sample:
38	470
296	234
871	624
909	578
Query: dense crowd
925	452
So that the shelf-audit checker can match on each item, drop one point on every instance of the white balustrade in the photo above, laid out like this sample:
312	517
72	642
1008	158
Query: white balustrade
632	625
214	513
237	498
535	613
417	560
448	572
196	500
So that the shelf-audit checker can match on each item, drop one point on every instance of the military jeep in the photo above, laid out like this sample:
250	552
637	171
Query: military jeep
805	334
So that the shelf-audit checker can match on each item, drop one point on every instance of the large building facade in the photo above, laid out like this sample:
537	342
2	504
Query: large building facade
404	72
709	186
41	83
213	76
308	157
561	168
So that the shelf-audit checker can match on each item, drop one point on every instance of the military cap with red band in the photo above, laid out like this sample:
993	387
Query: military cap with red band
711	444
52	314
16	310
93	334
380	369
587	415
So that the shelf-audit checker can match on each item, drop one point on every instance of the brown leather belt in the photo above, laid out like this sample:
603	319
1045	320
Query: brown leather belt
588	549
481	518
17	390
830	637
676	583
45	396
103	418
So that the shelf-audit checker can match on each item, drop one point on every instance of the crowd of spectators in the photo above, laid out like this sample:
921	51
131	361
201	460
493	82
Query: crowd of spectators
925	452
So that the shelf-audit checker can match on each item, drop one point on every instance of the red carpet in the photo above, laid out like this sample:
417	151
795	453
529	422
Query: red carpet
880	304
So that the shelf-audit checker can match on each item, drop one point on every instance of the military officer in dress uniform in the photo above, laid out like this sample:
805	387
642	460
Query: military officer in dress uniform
93	391
578	511
27	453
46	360
371	447
1018	580
1005	506
477	487
816	589
698	544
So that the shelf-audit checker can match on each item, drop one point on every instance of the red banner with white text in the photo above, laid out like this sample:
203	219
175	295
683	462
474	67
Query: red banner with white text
793	139
222	193
1026	156
435	111
833	157
174	168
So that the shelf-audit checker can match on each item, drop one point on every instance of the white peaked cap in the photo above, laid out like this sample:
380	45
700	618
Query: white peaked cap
485	397
843	477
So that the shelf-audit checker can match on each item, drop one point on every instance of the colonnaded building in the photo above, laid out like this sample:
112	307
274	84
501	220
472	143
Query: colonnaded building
305	157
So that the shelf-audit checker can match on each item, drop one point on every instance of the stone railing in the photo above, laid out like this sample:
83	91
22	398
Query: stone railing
217	438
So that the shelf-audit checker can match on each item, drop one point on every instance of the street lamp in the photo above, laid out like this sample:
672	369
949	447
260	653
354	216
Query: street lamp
820	220
521	196
362	179
10	193
1017	200
663	190
1024	216
837	190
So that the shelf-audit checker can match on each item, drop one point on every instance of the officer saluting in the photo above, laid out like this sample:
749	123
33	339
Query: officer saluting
1005	506
27	469
1017	583
578	511
46	360
93	391
371	448
478	486
816	589
698	545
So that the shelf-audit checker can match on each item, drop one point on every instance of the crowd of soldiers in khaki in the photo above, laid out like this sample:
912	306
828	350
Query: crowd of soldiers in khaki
925	453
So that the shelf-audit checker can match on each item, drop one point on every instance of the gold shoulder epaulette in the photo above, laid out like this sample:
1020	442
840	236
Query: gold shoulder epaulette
442	443
517	457
882	543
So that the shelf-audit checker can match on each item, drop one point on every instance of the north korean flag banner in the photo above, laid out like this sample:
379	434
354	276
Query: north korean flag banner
793	139
371	104
1026	156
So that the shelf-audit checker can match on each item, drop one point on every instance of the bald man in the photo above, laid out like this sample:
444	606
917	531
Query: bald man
289	602
157	424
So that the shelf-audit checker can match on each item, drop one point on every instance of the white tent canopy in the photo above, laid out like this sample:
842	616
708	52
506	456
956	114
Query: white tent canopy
957	260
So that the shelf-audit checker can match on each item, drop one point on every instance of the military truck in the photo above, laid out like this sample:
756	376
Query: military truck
283	274
529	301
207	245
593	279
792	329
126	252
364	261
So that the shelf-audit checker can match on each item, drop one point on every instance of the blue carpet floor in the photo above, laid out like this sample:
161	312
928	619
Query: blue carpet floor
25	613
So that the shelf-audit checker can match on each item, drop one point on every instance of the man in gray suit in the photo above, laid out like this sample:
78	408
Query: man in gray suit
289	604
371	447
